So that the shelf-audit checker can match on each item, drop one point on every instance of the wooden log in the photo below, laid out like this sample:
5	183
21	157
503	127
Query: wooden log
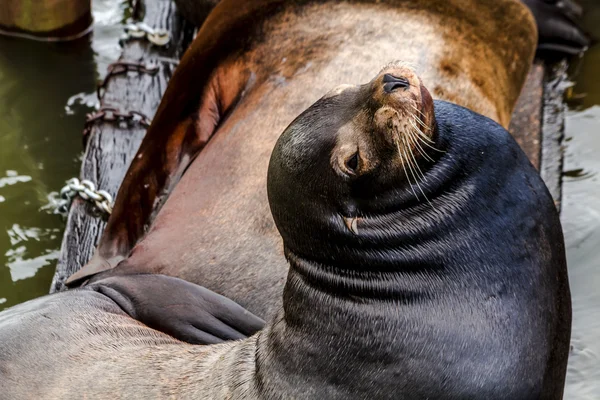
553	129
111	146
53	19
538	122
525	125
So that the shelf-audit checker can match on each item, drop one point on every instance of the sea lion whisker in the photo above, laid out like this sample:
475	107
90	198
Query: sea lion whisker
417	168
426	143
411	159
352	224
416	122
415	139
419	140
420	121
404	168
414	160
421	133
419	130
412	171
418	117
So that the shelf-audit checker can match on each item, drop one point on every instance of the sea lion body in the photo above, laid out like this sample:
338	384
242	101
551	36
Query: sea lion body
459	292
254	66
80	344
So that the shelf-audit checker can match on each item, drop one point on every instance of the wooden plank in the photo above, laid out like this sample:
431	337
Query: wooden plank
525	125
538	122
111	146
553	129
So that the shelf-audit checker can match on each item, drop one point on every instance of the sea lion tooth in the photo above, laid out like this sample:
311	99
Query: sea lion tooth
351	224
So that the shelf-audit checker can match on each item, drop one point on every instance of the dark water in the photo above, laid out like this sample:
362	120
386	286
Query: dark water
581	217
40	147
40	143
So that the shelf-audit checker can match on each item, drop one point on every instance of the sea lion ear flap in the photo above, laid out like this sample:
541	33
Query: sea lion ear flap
427	108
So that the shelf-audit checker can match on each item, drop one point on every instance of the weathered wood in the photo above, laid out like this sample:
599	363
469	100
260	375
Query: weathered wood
57	18
538	122
525	125
111	146
553	129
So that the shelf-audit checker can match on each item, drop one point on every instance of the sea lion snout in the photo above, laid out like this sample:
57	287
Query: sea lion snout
404	118
396	118
392	83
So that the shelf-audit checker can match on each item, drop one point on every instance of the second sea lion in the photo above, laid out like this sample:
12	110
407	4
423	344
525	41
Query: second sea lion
253	67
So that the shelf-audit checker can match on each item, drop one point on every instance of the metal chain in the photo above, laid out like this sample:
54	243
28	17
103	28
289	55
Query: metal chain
87	191
112	114
122	67
141	30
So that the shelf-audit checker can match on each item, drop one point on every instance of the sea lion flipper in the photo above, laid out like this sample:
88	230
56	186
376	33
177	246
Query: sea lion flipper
186	311
558	27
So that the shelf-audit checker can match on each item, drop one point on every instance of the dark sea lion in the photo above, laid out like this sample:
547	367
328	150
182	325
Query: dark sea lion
426	261
253	67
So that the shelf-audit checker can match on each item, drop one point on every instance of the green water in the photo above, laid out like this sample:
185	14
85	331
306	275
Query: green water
581	217
44	89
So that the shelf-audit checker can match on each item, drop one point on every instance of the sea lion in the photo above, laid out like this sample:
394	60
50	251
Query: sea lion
253	67
426	261
557	20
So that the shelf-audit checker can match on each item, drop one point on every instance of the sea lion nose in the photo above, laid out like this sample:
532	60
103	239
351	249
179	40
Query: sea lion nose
391	83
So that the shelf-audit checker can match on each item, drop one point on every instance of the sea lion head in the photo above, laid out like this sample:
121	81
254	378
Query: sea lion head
358	151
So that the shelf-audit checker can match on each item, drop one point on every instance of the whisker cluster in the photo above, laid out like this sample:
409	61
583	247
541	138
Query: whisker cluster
414	139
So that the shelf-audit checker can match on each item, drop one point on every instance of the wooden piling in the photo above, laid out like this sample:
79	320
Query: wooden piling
111	147
52	20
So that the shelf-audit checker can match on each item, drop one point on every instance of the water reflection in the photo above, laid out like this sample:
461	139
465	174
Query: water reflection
581	218
581	224
45	91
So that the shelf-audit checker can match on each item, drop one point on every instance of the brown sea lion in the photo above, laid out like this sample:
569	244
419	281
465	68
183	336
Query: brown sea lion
253	67
426	261
558	22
